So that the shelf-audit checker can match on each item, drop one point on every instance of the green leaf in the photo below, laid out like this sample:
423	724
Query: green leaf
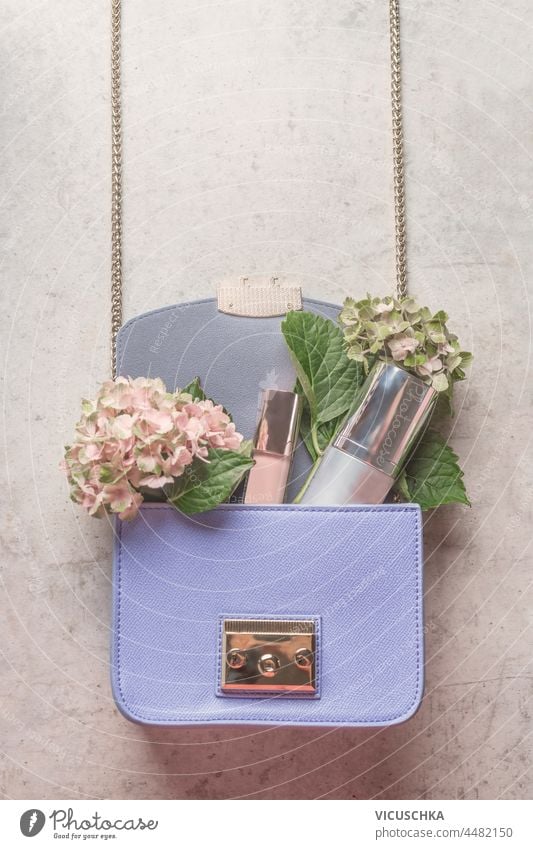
466	358
401	487
246	448
444	405
327	376
194	388
204	485
433	476
318	440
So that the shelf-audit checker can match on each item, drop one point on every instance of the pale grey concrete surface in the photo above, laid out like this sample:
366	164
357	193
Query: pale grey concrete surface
257	142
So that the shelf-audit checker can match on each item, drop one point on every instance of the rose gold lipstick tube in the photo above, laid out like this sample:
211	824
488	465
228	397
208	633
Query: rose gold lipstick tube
275	441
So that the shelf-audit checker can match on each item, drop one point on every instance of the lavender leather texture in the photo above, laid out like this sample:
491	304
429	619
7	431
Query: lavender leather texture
356	569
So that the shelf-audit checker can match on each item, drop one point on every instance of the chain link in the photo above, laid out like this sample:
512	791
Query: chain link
116	167
116	184
397	150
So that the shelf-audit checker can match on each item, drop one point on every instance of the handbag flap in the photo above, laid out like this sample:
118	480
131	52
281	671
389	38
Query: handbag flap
236	357
356	570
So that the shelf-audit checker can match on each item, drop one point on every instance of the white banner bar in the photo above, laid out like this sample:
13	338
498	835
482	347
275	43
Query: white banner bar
264	824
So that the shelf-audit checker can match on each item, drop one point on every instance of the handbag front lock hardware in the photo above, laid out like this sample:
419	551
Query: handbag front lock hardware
268	656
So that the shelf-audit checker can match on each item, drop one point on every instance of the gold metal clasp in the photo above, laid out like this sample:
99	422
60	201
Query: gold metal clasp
266	656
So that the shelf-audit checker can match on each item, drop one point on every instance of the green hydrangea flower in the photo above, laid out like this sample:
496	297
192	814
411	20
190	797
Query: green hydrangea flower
410	335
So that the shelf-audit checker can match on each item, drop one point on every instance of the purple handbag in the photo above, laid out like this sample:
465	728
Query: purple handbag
249	614
354	573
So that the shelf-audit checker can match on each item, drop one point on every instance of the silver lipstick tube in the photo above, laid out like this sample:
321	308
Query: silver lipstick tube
367	455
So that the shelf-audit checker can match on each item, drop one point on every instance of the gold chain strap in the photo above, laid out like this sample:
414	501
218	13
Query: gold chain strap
116	168
397	149
116	185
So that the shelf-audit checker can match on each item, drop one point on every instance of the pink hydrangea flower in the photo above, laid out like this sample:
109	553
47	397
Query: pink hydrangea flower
136	434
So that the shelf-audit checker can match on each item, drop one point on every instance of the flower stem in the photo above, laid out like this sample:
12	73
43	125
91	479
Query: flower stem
308	480
314	440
